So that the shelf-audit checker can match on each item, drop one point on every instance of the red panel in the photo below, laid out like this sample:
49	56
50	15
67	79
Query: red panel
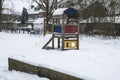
70	29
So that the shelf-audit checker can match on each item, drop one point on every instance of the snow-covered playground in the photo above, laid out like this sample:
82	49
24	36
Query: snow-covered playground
96	59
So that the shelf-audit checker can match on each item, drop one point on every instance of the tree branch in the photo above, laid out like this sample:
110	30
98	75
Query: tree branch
40	4
54	5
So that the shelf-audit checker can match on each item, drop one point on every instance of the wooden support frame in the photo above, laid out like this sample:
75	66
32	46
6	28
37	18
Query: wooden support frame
64	34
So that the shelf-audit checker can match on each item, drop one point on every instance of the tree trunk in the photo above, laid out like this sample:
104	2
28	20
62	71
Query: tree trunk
0	14
47	18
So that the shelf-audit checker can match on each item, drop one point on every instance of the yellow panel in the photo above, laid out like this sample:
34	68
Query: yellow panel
70	44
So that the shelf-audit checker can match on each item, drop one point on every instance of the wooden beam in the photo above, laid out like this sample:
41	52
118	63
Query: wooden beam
47	43
58	42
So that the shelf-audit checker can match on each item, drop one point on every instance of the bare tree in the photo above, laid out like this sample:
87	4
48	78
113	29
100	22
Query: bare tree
24	16
48	6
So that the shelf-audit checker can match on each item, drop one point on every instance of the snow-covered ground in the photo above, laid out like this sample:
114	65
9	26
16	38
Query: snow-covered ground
97	58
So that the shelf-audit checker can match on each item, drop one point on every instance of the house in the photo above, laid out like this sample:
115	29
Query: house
38	24
35	18
7	18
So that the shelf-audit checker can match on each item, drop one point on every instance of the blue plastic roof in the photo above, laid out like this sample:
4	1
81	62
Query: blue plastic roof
70	11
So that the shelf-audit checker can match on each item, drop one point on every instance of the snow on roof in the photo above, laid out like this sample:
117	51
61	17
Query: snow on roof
32	11
16	21
6	11
39	20
29	26
59	11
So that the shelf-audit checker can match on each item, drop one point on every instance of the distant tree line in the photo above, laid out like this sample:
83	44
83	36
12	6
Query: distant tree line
100	15
24	17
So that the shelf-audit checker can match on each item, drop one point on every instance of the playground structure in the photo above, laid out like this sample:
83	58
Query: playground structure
65	28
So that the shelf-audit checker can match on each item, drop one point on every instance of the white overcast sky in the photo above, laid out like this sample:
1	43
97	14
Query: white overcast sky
16	5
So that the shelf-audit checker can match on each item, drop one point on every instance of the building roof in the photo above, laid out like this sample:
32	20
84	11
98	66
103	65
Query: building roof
39	20
61	11
6	11
32	11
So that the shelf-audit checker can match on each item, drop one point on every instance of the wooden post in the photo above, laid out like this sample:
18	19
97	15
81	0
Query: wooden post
63	32
53	41
53	34
58	42
78	34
